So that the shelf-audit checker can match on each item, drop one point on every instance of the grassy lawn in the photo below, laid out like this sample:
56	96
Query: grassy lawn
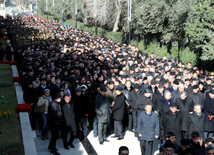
10	132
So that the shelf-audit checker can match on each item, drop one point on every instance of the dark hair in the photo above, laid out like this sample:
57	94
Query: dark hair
195	134
169	134
208	140
122	148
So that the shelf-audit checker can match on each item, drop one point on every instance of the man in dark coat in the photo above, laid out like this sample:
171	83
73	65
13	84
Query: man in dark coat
102	109
185	105
172	121
118	113
143	100
209	113
8	52
68	124
134	95
197	96
195	122
163	107
80	111
1	52
147	129
55	121
157	96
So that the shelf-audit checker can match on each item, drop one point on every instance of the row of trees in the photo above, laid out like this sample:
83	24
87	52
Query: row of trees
185	23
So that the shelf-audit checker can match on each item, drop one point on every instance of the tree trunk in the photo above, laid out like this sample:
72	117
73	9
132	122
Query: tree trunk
119	8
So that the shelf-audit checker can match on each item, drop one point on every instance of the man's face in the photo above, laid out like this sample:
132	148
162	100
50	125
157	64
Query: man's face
211	95
160	90
173	139
196	140
78	93
195	90
148	108
197	110
183	96
168	151
184	147
210	152
111	86
173	109
102	93
168	96
67	99
128	84
124	152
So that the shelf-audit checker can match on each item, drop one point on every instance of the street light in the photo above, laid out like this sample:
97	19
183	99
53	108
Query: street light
47	8
53	6
63	12
95	15
129	18
76	12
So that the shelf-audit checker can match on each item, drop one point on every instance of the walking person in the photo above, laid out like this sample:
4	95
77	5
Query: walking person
148	129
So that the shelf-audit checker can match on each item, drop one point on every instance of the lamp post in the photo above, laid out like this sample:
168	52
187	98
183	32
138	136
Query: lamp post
76	12
62	11
129	18
53	6
95	16
47	8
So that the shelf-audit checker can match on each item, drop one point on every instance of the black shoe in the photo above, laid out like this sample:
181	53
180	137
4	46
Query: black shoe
55	153
101	142
71	145
120	138
135	134
106	140
114	136
50	150
131	130
66	147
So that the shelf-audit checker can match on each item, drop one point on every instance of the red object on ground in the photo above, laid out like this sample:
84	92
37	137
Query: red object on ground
16	79
24	108
8	62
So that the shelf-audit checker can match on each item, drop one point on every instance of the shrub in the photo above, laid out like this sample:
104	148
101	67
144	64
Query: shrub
115	36
134	43
188	56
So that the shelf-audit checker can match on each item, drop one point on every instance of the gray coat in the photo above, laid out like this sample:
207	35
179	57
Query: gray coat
102	108
148	126
198	98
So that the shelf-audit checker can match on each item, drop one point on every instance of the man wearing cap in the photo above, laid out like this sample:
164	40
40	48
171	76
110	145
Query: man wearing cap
55	121
157	97
185	144
147	129
168	149
134	95
197	96
172	121
209	113
68	124
102	110
187	86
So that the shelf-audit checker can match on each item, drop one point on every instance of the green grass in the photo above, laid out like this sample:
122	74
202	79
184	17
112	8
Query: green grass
9	127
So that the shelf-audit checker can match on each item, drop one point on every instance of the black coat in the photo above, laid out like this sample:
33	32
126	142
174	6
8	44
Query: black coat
102	108
163	108
196	123
184	110
156	99
68	116
141	103
172	123
198	98
8	53
79	108
119	108
55	113
132	99
29	95
208	110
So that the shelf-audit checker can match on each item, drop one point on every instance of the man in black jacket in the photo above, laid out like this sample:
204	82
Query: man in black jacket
185	105
134	95
68	124
118	113
102	109
157	96
55	121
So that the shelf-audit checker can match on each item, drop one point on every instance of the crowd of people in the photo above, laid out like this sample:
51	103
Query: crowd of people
76	81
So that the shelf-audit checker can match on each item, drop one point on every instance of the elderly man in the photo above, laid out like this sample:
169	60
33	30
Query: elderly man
197	96
148	129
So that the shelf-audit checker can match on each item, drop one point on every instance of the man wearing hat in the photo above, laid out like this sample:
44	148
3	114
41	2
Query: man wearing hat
134	95
187	86
102	110
197	96
172	121
209	112
55	121
168	149
185	144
